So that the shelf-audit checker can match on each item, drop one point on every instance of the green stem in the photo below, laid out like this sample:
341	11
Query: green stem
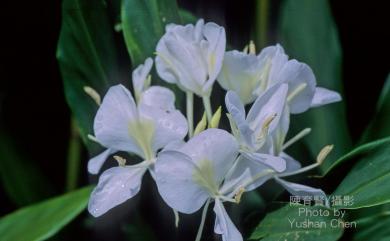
204	212
190	113
262	7
73	158
207	107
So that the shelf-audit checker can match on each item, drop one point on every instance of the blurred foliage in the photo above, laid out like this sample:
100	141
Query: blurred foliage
21	178
380	125
309	34
87	57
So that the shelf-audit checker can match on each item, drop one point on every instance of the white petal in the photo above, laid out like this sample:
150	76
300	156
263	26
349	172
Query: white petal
237	111
295	73
224	225
292	164
241	73
216	44
278	58
275	162
174	177
95	163
215	146
324	96
116	185
245	171
270	103
301	190
169	125
140	75
112	120
160	97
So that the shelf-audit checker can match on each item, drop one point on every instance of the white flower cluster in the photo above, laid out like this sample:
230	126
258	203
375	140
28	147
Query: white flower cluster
213	165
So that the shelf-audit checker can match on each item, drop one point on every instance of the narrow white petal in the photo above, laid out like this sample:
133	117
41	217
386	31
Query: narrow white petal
237	111
246	172
174	177
116	185
224	225
324	96
95	163
275	162
292	164
112	120
270	103
140	75
301	190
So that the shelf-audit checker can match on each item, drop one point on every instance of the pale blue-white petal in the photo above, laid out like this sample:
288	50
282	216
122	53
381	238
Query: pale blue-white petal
292	164
116	185
301	190
295	74
324	96
140	75
224	225
174	173
159	97
237	111
277	58
241	73
214	147
215	37
169	125
270	103
111	125
275	162
245	173
95	163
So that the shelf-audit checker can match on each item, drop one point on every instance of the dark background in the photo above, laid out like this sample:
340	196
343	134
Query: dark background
32	105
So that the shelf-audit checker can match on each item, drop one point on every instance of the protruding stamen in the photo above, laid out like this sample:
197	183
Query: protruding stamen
324	153
252	47
93	94
238	195
296	138
177	218
245	50
265	127
296	91
93	138
121	161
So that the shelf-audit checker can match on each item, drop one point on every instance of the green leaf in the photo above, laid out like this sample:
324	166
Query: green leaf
374	227
187	16
361	150
143	25
87	57
308	33
380	125
21	178
277	225
368	181
41	221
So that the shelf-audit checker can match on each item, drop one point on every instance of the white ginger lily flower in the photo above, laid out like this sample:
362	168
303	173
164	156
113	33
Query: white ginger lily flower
262	140
141	81
140	129
250	76
191	56
267	115
194	174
